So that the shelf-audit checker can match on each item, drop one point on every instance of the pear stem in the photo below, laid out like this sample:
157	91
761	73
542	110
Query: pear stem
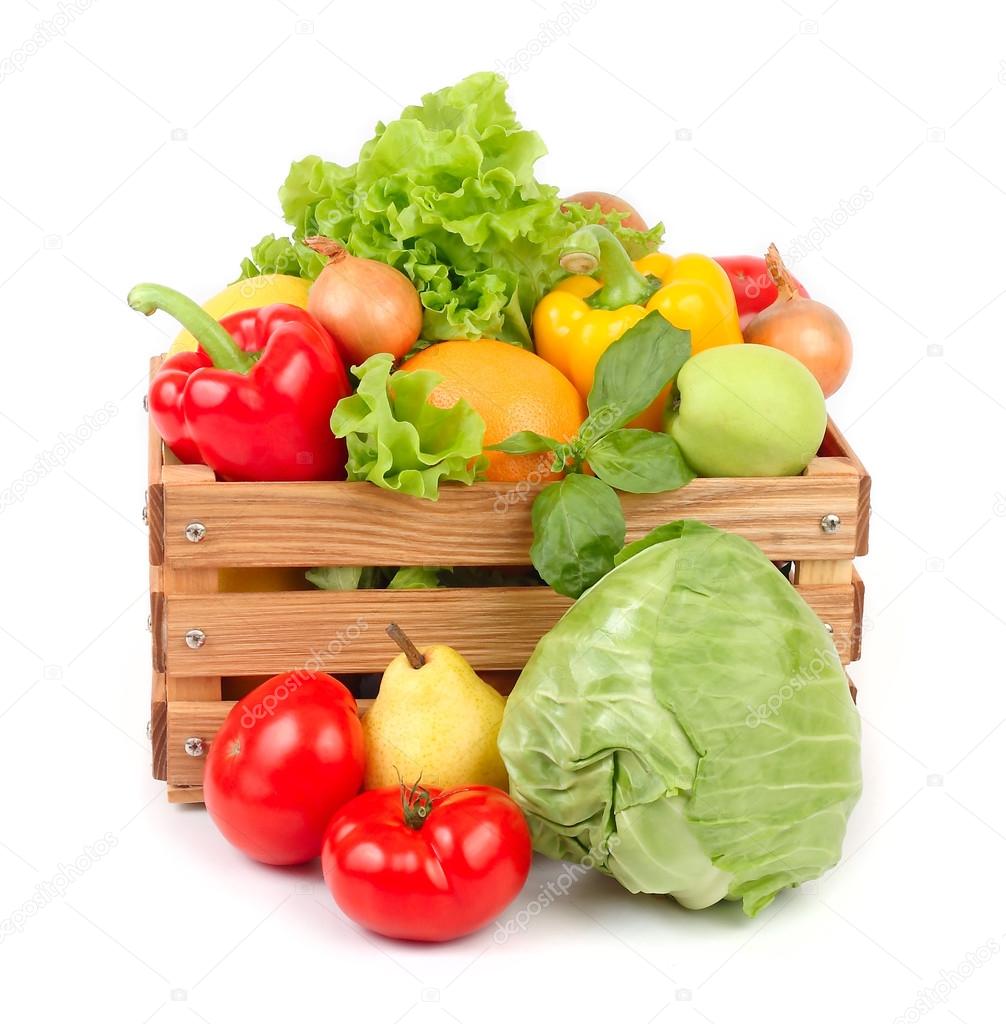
409	649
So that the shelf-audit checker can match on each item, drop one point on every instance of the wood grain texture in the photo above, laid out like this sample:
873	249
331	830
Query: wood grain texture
202	719
176	580
158	728
185	794
493	628
155	523
820	570
858	602
835	443
294	524
157	630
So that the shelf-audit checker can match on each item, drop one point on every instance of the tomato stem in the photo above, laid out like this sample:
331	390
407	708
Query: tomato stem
416	804
409	649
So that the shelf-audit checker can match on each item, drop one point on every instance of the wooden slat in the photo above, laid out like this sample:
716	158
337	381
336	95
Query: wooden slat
828	570
856	638
188	580
185	794
835	443
493	628
155	523
158	728
295	524
202	719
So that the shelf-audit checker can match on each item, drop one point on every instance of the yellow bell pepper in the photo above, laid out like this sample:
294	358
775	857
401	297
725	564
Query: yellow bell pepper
248	294
607	294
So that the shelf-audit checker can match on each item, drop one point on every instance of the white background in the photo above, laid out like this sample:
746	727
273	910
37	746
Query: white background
147	141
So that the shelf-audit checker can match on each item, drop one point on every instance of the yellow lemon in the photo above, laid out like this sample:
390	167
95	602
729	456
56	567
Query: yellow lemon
248	294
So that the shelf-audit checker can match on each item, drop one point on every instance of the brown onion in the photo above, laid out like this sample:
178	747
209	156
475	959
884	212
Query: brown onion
366	305
808	330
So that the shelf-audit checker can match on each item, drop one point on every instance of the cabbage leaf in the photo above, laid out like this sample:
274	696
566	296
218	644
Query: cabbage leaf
687	727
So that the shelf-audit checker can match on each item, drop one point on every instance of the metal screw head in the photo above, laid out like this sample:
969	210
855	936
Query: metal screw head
150	624
150	729
830	523
195	638
195	747
146	403
144	514
828	626
195	532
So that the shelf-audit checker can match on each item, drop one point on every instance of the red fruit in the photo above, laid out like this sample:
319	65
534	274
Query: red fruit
287	757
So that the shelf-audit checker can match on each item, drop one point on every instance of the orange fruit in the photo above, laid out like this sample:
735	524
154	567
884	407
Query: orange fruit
512	389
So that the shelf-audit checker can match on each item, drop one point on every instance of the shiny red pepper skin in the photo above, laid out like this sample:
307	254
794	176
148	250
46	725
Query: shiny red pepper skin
754	289
269	423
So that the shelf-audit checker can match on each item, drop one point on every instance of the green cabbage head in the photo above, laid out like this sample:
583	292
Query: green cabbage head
687	726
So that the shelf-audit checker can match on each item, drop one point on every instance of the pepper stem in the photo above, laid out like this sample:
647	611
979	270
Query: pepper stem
780	274
595	251
416	804
408	648
214	340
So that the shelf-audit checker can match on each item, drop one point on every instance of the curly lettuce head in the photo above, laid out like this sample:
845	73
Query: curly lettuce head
687	726
447	195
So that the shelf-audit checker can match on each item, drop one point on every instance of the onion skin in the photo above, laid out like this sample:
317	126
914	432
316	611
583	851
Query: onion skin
805	329
366	305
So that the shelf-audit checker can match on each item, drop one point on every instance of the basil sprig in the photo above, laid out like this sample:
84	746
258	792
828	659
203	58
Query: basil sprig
578	522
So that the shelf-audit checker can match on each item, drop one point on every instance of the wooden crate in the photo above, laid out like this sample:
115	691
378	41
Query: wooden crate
488	524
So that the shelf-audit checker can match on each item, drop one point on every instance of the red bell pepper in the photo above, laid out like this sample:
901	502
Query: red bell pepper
255	401
753	286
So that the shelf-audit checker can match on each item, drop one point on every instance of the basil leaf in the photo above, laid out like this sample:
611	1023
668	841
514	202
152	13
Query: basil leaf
525	442
639	461
634	369
415	577
579	527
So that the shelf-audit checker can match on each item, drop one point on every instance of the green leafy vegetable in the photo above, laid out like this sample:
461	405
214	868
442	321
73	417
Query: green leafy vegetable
721	756
526	442
579	527
577	521
639	461
396	439
446	194
341	577
415	578
633	370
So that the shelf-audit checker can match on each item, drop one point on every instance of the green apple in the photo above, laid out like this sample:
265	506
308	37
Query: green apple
748	410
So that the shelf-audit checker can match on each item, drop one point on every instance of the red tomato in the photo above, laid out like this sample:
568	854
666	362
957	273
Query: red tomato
426	864
754	289
608	202
287	757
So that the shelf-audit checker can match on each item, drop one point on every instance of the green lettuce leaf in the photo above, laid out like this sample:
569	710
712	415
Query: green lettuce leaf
397	440
447	194
415	577
687	725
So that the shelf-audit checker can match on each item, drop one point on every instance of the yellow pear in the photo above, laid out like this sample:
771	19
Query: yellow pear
433	718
